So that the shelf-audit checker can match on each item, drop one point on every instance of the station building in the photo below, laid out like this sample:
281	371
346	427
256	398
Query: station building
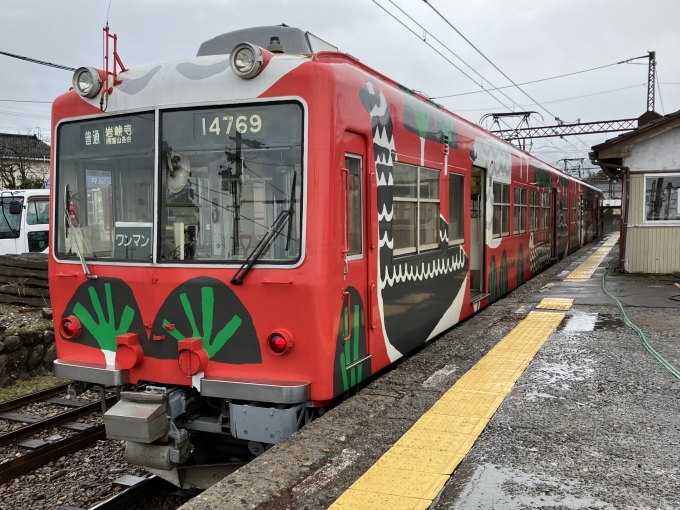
647	162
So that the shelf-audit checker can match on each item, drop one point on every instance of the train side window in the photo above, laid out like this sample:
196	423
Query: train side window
405	193
456	215
520	210
415	223
545	213
356	234
501	210
428	209
535	206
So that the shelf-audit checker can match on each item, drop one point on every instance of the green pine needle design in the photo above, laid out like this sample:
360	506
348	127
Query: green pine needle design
210	344
347	357
104	329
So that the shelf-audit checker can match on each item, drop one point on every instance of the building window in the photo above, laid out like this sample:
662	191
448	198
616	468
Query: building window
520	210
535	207
545	217
456	215
662	198
416	209
501	209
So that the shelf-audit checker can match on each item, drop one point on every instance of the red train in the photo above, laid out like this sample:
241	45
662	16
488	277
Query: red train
241	237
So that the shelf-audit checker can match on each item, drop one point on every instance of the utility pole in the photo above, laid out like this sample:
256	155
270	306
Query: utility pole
651	81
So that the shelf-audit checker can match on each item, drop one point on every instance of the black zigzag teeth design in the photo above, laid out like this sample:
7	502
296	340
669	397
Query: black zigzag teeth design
385	214
486	151
418	272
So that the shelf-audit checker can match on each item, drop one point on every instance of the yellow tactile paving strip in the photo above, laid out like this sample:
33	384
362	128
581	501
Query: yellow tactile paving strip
555	304
411	473
583	272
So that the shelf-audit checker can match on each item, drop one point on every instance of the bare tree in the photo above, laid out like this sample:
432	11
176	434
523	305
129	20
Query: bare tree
24	160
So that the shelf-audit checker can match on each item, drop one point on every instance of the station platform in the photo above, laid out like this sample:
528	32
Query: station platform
545	399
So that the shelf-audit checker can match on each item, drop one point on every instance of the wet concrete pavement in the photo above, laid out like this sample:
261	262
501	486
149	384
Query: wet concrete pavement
592	423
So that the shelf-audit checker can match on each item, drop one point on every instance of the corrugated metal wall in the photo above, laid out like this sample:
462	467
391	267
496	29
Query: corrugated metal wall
649	249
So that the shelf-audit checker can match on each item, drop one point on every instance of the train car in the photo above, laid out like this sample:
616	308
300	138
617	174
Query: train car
242	237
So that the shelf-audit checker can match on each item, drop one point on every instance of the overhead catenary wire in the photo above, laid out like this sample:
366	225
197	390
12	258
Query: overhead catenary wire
658	85
22	101
565	99
423	39
544	79
36	61
496	67
453	53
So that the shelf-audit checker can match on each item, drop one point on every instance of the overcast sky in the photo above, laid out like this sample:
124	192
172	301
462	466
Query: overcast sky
526	39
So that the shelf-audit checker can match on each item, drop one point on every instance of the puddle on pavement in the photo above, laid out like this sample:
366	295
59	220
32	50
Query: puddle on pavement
496	487
609	322
579	322
553	373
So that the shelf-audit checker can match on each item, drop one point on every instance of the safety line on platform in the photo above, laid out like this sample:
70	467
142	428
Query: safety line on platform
411	473
583	272
555	304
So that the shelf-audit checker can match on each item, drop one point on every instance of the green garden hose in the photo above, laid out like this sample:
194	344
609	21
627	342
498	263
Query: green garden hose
642	336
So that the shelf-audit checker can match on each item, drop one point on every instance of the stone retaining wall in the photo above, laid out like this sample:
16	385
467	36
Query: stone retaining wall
27	352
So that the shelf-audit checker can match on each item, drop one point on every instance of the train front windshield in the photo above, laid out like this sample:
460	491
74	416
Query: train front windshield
226	174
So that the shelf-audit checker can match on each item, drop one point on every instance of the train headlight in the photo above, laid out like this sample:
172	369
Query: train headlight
280	343
87	82
70	327
246	60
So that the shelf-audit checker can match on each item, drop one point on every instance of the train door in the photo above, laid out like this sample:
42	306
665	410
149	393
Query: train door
477	232
554	222
356	303
581	220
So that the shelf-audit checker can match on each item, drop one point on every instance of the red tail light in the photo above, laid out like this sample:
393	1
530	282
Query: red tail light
280	343
70	327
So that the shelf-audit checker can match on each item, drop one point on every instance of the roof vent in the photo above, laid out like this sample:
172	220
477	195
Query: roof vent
275	45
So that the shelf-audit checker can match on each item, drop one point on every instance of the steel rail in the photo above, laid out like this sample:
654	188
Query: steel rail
125	499
32	397
28	462
52	421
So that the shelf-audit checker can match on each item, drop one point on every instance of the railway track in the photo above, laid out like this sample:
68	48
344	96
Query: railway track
41	452
138	489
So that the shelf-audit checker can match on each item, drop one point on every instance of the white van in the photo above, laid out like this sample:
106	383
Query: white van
24	221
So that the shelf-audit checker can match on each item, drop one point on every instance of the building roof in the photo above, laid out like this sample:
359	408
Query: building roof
638	131
25	146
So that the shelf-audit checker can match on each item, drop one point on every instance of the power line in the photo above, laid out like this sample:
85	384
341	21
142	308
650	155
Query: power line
561	100
27	115
445	57
659	88
41	62
543	79
453	53
436	50
495	66
23	101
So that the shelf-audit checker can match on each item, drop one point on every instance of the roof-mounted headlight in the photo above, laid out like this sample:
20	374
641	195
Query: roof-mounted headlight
246	60
87	82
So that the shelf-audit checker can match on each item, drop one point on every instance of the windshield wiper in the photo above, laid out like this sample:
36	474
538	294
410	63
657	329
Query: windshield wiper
268	238
76	239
